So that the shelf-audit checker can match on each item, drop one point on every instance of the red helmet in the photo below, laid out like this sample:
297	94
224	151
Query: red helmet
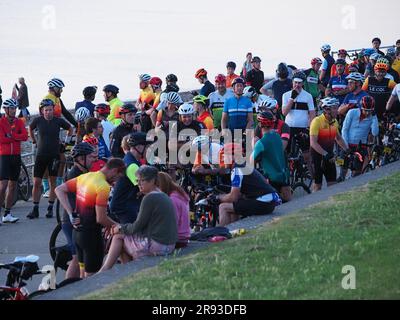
200	73
156	82
91	139
220	79
102	109
266	119
368	103
342	51
315	61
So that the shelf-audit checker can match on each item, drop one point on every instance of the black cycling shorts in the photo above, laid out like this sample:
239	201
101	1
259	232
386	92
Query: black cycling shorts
90	248
323	168
10	167
304	141
252	207
46	162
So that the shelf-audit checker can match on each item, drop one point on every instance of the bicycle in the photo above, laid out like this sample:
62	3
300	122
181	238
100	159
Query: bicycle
352	161
23	188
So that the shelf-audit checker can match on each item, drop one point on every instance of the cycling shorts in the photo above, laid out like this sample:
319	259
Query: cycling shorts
51	163
89	248
323	168
252	207
10	167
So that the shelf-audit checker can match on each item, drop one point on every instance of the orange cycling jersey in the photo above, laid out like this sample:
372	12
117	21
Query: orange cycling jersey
334	71
57	104
229	79
147	96
207	120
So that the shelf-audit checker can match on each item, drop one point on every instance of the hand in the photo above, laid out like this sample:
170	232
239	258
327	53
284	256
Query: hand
116	229
74	219
328	157
294	94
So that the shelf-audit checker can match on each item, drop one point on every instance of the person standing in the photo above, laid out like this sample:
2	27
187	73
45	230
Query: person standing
12	133
89	94
23	100
255	77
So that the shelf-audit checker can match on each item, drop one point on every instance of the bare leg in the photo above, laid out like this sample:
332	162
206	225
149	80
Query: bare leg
10	194
3	189
36	192
73	268
115	251
52	182
227	214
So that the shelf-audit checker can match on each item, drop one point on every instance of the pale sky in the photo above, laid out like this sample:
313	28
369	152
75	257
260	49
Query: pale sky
98	42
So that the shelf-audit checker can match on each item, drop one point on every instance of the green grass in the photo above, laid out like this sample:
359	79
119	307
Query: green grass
296	257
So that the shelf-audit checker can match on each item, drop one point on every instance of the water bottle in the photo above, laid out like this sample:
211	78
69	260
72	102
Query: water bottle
238	232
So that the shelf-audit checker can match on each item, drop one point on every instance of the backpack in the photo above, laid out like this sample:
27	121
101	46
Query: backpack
207	233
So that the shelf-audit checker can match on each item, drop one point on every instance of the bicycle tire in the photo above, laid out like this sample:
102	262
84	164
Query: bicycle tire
67	282
37	293
24	184
300	189
57	240
58	211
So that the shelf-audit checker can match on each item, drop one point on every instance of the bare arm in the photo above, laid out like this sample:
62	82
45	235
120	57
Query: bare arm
231	197
224	121
340	141
316	146
102	218
287	108
62	195
311	116
250	121
390	103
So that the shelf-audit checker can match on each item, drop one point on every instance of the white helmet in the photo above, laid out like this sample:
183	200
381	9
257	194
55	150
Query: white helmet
10	103
144	77
326	47
268	103
82	114
200	141
356	76
186	109
174	98
249	92
330	102
55	83
375	56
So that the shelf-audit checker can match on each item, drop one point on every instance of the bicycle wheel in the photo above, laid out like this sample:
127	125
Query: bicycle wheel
58	242
24	184
300	189
58	211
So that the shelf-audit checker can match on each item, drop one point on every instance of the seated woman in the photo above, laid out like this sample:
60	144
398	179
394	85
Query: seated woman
155	230
181	202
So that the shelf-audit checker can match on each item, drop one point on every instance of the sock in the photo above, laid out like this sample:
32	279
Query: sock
36	206
60	181
50	207
6	212
45	184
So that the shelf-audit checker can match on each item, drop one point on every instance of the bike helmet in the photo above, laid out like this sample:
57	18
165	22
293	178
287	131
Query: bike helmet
90	139
391	52
353	67
82	149
342	51
269	103
103	109
144	77
201	73
46	103
381	66
156	82
315	61
171	78
220	79
201	99
174	98
231	148
266	119
282	71
137	138
375	56
356	76
238	80
127	108
111	88
200	141
55	83
249	92
10	103
384	60
368	103
82	114
89	91
326	48
341	61
299	76
255	59
369	52
231	64
329	102
186	109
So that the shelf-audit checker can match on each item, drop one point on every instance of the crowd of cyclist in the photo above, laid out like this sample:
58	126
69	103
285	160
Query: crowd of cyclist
333	105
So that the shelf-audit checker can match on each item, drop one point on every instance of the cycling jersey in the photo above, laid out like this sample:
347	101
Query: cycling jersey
114	116
164	120
157	97
230	78
338	83
311	85
354	99
326	132
188	133
334	72
279	87
207	89
85	104
104	152
280	127
298	117
118	134
396	91
92	189
11	136
327	66
356	129
107	130
210	158
206	120
238	110
59	109
396	65
380	91
217	102
270	152
255	78
147	96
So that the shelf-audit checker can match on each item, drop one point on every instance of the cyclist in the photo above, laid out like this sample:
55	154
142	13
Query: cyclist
81	116
394	98
145	102
156	83
101	112
230	73
337	86
250	193
94	129
84	155
324	131
376	43
255	98
90	215
396	62
280	127
370	68
379	88
326	65
111	96
255	77
125	201
269	151
356	93
200	104
238	110
280	85
313	84
342	55
171	81
217	99
48	153
168	115
89	94
208	87
357	126
127	113
12	133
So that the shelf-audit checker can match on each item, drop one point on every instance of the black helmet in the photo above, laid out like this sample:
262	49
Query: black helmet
137	138
231	64
127	108
238	80
341	61
300	75
171	88
282	71
82	149
89	91
111	88
46	103
256	59
171	78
